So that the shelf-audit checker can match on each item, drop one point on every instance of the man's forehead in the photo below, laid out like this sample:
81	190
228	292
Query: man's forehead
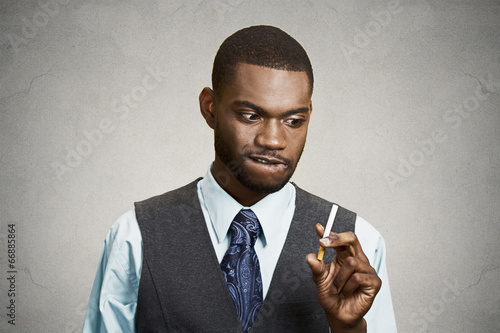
269	89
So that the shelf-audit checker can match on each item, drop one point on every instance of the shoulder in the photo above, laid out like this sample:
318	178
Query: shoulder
125	225
362	228
124	232
314	199
184	199
180	193
371	240
305	195
310	202
366	230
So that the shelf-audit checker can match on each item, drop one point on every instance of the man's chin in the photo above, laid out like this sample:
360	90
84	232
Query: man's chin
260	185
257	188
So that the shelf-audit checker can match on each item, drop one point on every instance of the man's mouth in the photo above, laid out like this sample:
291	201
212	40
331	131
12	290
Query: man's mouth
263	161
267	160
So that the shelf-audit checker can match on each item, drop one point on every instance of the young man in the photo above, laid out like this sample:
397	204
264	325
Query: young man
248	227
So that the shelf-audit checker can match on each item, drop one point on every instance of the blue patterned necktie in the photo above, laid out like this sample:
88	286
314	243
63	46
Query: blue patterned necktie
241	269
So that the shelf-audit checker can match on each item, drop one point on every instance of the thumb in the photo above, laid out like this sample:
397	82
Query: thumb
318	268
322	274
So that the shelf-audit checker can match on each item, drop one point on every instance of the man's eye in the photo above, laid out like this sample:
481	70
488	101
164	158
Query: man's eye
294	122
250	116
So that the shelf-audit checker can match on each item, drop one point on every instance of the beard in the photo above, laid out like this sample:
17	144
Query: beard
240	172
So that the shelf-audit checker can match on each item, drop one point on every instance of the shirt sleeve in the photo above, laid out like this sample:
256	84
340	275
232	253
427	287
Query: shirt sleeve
380	317
113	300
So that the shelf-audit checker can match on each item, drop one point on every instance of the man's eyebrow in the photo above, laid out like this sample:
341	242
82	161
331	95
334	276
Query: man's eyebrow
251	106
265	112
295	111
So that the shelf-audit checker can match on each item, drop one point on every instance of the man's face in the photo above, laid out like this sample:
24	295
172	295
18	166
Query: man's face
261	126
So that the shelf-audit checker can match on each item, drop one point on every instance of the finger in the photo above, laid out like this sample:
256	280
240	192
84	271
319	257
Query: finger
322	274
351	266
320	230
347	239
345	244
318	267
366	283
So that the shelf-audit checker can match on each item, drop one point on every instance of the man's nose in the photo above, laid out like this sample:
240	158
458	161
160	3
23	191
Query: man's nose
272	135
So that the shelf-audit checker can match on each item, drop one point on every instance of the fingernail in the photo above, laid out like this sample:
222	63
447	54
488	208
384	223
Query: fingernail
325	241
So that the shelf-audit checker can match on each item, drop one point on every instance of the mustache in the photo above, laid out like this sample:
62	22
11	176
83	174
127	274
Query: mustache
269	154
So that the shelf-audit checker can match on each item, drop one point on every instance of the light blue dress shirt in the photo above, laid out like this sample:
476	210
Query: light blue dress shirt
113	300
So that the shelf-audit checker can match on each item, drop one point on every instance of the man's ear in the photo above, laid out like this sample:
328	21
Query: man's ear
207	106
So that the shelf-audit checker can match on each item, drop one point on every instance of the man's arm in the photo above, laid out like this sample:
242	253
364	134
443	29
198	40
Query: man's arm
348	286
113	300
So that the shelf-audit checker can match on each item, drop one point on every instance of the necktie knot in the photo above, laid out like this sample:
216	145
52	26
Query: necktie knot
245	228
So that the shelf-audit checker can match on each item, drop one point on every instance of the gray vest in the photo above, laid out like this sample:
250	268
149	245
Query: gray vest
182	288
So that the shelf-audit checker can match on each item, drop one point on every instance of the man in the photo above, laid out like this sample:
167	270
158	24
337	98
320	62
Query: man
227	252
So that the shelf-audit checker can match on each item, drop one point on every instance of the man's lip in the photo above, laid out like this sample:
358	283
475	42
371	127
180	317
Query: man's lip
268	159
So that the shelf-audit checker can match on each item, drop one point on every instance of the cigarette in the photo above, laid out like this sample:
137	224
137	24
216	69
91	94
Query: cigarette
328	228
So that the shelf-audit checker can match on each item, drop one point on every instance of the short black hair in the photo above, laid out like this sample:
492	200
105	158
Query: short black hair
260	45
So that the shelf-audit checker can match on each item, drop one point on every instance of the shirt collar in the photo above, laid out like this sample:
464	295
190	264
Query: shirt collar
222	207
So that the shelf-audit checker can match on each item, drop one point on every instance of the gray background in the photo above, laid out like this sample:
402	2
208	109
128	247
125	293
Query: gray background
405	131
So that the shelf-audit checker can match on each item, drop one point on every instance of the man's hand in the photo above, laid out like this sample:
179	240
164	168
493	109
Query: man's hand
346	287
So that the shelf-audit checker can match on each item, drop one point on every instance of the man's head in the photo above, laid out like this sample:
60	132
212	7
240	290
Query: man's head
260	45
259	110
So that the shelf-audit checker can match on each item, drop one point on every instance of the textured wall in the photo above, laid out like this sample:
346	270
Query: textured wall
98	109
